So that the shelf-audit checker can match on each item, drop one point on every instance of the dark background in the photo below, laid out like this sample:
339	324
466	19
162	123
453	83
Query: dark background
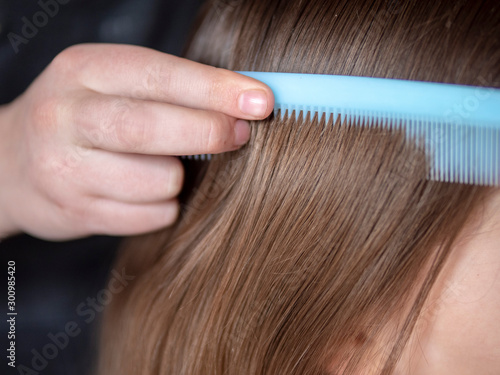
54	278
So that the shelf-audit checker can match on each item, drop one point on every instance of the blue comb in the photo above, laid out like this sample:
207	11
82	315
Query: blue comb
458	125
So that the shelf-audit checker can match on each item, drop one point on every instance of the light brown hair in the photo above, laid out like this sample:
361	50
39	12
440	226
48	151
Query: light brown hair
312	249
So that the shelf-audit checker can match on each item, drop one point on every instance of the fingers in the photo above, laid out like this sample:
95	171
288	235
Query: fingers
122	194
130	178
137	126
119	218
143	73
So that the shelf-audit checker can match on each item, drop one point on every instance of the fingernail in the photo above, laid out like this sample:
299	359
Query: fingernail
253	103
241	132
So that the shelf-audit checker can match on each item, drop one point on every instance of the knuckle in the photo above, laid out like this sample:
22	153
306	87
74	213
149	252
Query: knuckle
156	81
45	113
218	135
70	58
62	195
96	119
124	118
55	175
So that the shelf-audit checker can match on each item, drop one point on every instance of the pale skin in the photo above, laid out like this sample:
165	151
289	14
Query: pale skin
458	331
90	147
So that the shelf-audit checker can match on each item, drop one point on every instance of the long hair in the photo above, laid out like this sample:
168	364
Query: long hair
312	249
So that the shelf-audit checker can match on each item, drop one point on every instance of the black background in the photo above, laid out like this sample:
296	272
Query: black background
53	278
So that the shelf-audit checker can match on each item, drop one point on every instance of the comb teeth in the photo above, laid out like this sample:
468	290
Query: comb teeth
465	154
199	157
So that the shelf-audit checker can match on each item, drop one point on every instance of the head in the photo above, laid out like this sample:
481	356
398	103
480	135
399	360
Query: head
313	249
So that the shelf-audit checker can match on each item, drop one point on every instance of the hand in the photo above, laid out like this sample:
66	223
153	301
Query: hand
85	149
